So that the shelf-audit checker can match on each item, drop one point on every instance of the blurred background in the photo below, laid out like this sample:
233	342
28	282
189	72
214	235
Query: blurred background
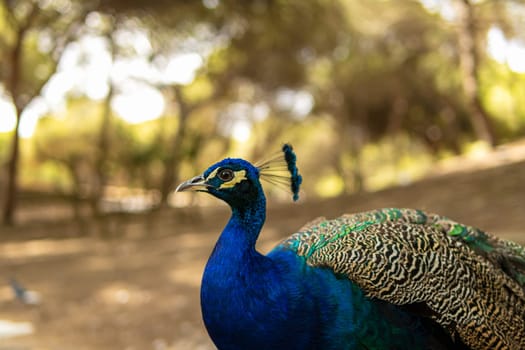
105	106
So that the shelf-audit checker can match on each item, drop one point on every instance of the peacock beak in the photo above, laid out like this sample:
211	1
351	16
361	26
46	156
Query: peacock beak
198	183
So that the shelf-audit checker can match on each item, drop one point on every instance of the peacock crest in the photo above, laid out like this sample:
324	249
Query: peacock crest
281	170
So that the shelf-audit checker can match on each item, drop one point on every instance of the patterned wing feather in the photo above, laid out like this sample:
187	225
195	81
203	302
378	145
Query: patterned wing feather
471	281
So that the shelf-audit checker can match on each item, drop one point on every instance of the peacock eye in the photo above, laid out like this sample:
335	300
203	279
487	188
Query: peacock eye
226	174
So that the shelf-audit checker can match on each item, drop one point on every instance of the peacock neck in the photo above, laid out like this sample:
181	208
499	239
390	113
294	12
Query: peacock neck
243	228
234	261
240	287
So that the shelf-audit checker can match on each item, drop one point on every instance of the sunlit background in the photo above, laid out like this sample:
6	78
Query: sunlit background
355	80
105	106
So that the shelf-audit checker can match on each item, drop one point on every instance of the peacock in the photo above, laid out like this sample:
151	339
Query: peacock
383	279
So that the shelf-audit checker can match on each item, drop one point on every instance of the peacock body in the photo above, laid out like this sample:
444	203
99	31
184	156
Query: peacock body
384	279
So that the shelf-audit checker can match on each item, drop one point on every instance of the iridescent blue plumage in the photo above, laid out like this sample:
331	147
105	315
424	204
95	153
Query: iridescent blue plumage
280	300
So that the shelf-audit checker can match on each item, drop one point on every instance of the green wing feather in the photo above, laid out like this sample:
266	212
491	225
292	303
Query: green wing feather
472	282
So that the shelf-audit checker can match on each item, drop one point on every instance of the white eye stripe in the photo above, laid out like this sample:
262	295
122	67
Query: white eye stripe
238	177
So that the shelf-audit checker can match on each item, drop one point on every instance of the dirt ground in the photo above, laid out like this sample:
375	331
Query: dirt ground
138	288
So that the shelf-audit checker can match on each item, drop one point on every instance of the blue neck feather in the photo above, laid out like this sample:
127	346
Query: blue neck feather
246	224
238	280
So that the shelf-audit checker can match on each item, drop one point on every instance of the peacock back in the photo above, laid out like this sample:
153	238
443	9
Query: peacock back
468	281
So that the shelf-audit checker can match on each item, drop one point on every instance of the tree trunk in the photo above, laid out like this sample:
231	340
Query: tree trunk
12	177
104	143
469	60
103	150
351	139
171	163
14	62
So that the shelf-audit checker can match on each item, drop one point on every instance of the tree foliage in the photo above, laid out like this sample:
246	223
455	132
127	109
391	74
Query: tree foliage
365	83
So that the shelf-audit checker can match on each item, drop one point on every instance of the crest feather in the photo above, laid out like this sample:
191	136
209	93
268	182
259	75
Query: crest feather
281	170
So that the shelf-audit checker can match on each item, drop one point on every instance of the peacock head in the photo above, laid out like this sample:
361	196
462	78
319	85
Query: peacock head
237	181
